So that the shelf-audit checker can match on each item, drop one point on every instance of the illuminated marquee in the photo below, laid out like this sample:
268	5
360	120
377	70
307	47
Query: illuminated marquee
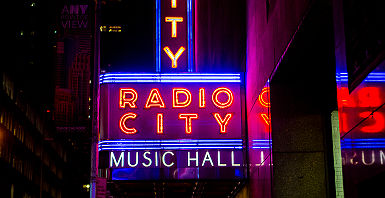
173	121
170	110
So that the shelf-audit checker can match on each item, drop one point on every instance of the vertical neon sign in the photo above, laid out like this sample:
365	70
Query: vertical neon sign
174	36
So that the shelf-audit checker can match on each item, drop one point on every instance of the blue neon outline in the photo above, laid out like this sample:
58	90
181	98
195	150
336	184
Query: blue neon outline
189	36
372	77
124	144
158	31
169	78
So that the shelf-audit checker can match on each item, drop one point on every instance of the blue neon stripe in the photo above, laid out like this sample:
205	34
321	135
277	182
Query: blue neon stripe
166	78
372	77
189	36
123	144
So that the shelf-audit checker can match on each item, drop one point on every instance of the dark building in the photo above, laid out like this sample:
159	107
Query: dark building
36	160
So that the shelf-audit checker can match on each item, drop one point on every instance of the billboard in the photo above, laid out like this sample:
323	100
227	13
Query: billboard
172	126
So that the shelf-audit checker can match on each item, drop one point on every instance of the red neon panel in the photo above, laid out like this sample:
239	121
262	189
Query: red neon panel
369	97
376	122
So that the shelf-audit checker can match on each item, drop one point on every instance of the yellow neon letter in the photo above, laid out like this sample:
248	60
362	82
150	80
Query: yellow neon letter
159	123
223	122
122	123
188	117
130	101
154	99
173	3
174	58
175	97
173	21
202	98
219	104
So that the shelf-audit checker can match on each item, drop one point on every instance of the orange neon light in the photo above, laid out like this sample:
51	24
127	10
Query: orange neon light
173	3
175	97
173	21
202	98
122	123
188	117
130	101
219	104
223	122
154	99
159	123
261	99
174	58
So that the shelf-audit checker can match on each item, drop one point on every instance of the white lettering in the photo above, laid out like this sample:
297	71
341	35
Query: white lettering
192	159
129	161
232	160
147	158
164	161
207	158
382	157
113	159
156	159
363	158
219	160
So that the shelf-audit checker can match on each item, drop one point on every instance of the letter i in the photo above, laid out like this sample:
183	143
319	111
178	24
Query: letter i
159	123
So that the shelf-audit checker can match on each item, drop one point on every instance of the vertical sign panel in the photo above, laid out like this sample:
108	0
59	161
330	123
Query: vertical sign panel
173	36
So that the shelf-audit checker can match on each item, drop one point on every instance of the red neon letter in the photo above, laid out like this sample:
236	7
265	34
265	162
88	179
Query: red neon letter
223	122
122	123
174	58
369	97
159	123
173	21
202	98
188	117
261	99
130	101
175	97
377	126
230	97
154	99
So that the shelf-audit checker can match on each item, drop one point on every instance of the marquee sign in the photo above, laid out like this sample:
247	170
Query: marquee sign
174	35
172	122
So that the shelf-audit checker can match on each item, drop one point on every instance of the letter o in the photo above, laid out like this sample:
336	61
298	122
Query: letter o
219	104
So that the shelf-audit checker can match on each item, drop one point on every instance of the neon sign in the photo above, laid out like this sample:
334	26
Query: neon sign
172	121
359	106
170	111
174	35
